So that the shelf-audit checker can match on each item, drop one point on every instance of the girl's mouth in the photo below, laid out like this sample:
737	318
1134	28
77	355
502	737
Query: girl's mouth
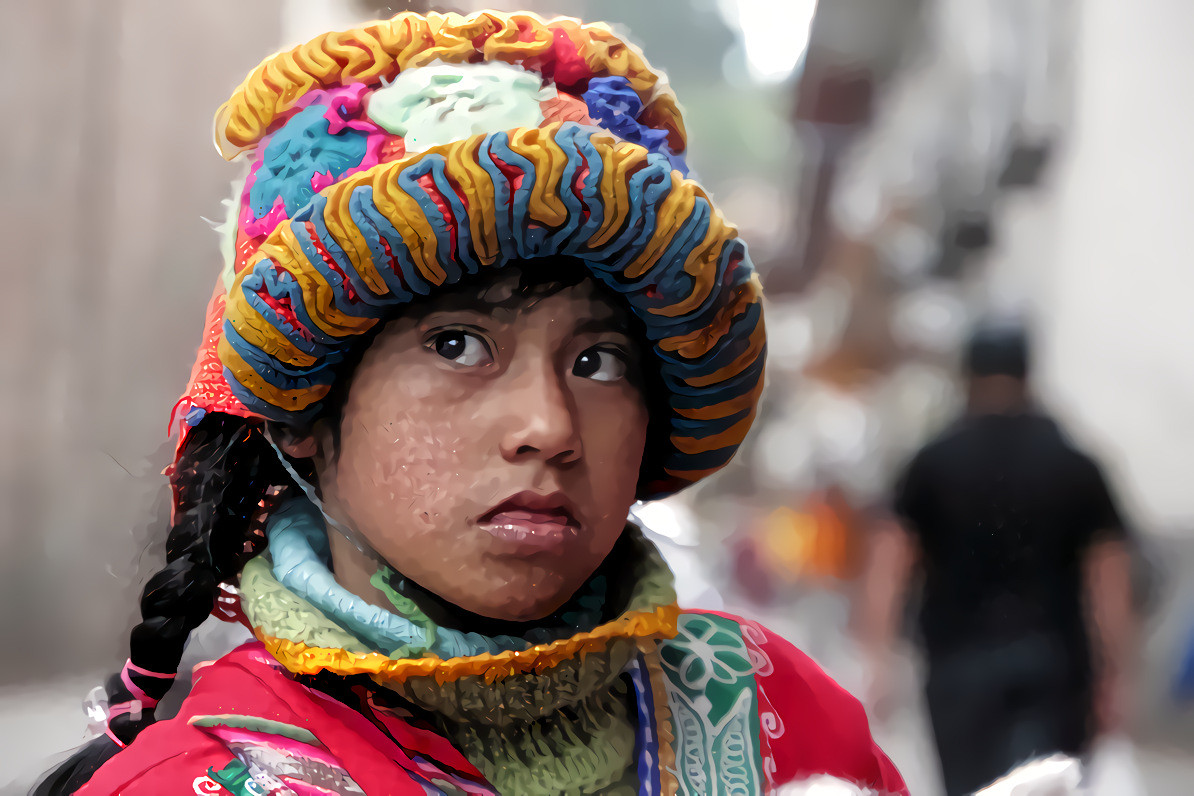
530	522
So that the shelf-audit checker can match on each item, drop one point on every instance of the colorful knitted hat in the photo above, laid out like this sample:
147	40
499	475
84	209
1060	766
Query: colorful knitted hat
389	161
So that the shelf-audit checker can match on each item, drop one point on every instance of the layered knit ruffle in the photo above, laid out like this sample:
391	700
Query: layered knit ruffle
543	718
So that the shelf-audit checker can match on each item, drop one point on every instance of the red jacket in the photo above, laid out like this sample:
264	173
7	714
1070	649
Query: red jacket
246	706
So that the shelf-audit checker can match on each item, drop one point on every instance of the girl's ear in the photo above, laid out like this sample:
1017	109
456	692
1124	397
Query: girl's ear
296	444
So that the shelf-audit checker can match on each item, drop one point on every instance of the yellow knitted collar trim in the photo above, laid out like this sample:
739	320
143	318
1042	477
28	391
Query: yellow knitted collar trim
641	626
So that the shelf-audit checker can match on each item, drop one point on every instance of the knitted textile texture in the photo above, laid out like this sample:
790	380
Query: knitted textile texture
391	161
544	718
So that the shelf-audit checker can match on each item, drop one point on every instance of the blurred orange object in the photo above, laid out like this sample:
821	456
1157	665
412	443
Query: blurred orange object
814	541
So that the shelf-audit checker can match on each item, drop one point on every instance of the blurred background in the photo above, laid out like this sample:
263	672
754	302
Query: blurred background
901	169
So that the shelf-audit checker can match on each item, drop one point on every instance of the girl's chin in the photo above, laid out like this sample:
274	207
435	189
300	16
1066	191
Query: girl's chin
517	610
516	602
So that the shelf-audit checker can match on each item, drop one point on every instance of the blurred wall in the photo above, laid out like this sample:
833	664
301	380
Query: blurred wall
107	268
1104	259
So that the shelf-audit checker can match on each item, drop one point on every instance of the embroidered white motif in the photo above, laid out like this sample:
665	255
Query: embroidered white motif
710	691
205	785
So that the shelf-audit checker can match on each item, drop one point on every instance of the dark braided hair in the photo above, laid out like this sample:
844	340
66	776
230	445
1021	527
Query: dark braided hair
224	472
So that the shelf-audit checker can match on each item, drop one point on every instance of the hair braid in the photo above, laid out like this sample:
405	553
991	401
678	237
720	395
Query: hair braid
224	471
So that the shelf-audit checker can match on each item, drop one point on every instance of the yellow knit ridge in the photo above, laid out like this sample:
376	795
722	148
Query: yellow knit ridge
379	50
302	659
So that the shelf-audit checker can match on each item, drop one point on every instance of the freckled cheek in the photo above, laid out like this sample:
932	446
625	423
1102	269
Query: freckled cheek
411	469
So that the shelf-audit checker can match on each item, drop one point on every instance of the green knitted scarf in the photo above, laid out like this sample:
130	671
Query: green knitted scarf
566	730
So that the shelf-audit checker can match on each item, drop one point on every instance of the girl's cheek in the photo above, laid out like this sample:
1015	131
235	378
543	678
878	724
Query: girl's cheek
425	466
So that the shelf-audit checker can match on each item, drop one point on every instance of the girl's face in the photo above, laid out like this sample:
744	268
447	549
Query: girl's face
489	448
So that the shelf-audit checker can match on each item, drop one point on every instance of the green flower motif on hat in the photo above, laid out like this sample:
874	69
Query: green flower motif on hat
440	103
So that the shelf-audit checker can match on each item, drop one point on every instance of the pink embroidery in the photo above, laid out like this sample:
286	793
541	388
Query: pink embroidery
770	724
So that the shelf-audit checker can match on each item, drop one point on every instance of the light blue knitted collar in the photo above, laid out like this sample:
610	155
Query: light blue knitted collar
298	544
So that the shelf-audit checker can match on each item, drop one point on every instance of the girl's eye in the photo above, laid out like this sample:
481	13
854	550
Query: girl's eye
600	364
463	348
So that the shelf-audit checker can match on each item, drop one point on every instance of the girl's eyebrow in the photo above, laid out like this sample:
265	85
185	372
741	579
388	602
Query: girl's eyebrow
598	325
454	304
478	312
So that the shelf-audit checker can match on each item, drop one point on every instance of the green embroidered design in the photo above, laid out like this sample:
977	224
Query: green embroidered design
257	724
711	694
235	779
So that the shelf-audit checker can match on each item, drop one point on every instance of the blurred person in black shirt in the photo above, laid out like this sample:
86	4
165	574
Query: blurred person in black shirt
1025	612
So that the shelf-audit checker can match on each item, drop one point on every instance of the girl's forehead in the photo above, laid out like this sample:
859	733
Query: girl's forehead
509	297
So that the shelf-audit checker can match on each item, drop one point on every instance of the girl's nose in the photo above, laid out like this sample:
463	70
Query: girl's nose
542	415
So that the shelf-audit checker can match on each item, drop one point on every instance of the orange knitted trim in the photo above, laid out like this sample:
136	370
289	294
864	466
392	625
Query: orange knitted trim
301	659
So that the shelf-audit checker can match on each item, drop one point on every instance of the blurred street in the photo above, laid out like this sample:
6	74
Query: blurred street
1157	761
903	171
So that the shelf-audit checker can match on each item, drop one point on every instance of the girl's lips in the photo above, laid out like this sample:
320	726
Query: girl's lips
531	524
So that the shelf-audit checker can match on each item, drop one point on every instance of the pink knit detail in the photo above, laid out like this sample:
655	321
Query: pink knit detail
145	699
134	667
122	708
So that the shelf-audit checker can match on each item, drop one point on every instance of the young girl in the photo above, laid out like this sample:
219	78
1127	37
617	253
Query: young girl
471	311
